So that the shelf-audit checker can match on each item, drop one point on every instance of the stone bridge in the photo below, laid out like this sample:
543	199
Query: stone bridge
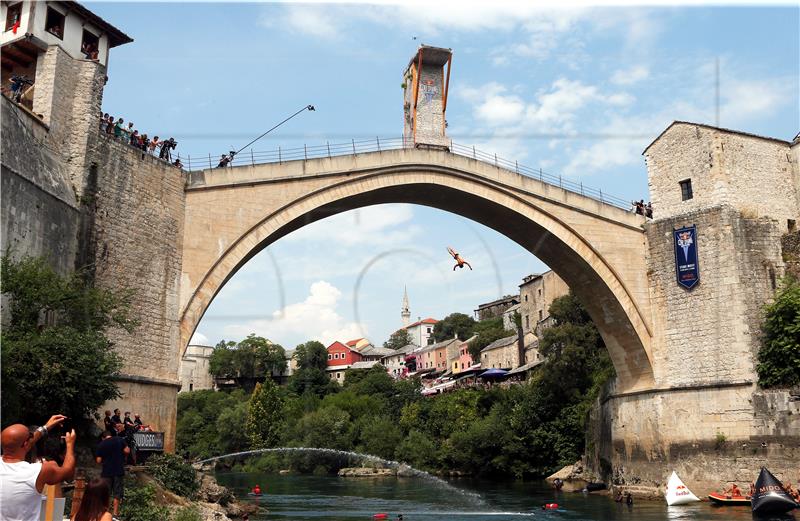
597	248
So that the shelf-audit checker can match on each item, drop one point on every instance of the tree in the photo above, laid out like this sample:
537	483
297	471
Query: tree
56	357
252	360
264	415
779	356
310	376
452	325
398	339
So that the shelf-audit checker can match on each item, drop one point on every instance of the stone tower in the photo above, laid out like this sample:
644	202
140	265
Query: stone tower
425	85
405	313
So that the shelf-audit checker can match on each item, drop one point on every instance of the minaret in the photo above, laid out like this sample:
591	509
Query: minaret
405	313
425	83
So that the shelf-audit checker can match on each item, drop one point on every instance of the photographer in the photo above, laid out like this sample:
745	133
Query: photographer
18	83
22	483
166	146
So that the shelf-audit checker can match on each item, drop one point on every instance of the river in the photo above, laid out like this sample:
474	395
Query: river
307	498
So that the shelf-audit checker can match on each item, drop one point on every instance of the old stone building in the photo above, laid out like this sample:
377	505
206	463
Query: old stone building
82	199
504	354
194	368
536	293
496	308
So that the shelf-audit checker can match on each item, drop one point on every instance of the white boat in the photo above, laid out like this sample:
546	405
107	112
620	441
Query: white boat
677	493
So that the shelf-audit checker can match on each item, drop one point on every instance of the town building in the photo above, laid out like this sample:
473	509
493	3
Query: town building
463	360
340	358
395	363
373	353
536	293
504	354
421	331
496	308
194	368
432	358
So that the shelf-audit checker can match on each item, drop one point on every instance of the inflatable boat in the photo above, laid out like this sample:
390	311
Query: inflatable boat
722	499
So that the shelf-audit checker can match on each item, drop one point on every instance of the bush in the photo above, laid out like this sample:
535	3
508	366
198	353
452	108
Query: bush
174	473
140	505
779	356
187	514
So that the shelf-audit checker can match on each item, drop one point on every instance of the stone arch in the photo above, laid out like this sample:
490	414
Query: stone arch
593	277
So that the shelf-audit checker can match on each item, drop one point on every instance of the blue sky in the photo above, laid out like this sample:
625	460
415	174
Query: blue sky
578	92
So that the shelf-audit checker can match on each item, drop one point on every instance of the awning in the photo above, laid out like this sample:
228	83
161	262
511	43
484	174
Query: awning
494	373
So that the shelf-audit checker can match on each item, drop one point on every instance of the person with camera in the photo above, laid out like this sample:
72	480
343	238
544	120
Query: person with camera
22	483
111	454
166	146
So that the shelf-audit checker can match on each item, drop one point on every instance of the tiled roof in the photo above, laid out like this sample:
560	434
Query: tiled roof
502	342
377	351
363	365
423	321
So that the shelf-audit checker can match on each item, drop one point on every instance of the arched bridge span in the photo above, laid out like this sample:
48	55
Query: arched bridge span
596	248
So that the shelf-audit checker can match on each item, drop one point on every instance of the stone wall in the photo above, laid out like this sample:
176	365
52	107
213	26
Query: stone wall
755	175
710	334
40	212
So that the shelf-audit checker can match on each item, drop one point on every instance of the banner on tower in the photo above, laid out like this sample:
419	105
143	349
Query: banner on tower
687	270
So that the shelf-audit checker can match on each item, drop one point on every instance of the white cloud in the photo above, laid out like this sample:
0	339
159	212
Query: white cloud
315	318
199	339
630	76
311	19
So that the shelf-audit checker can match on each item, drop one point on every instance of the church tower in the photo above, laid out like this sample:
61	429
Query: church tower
405	313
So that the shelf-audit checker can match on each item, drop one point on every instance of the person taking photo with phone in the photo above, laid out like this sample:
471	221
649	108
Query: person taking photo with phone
22	483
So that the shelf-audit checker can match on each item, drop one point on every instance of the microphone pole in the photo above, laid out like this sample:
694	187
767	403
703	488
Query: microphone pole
309	108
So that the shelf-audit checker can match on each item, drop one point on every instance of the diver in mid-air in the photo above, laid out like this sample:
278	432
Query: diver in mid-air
459	261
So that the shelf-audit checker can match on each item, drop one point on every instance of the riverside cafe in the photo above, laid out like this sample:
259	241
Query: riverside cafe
466	378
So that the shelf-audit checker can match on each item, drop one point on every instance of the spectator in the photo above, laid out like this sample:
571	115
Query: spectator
153	144
110	125
118	130
94	506
129	130
140	426
648	210
130	429
111	455
134	140
104	123
223	161
143	142
178	163
22	483
108	424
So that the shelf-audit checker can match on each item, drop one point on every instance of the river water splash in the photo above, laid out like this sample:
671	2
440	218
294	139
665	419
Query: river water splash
404	469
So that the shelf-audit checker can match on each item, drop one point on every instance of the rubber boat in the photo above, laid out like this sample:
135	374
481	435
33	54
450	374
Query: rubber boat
677	493
722	499
770	497
254	494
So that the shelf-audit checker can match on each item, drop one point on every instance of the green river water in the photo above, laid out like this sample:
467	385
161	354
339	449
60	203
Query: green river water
296	498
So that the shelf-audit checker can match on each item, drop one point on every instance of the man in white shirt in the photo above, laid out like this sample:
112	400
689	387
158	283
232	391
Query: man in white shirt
21	483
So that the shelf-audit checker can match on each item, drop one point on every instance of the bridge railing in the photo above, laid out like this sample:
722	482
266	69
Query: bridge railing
378	144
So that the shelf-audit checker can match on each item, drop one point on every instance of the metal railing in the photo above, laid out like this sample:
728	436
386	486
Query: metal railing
353	147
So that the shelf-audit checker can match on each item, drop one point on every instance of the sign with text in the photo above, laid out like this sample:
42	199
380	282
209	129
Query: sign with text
149	441
687	270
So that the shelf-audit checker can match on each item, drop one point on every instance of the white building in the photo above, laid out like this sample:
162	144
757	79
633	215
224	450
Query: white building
395	363
194	368
421	331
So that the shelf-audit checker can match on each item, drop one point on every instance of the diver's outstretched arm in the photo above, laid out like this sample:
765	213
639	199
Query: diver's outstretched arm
467	263
454	267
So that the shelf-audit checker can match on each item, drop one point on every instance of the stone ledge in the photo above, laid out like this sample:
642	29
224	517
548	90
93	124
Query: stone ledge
147	380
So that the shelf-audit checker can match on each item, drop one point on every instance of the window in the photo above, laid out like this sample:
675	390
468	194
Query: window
686	189
90	45
540	315
13	15
540	292
526	298
338	376
330	356
191	387
527	322
54	23
429	330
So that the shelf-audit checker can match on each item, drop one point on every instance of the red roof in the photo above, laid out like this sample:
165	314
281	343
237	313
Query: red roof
338	344
423	321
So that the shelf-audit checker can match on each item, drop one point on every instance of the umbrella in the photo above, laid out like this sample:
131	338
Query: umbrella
494	373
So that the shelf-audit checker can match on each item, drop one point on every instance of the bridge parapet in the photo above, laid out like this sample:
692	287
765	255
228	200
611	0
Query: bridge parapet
464	159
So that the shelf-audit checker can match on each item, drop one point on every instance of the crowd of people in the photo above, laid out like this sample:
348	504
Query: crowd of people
45	456
129	135
640	208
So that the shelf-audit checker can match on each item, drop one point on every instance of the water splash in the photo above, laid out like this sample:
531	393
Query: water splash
404	469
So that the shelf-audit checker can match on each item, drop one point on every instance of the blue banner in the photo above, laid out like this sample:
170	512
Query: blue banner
687	270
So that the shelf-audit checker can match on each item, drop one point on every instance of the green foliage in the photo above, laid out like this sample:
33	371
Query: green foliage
264	416
140	504
398	339
251	360
487	331
454	324
311	355
523	430
174	473
201	413
310	376
187	514
55	335
779	356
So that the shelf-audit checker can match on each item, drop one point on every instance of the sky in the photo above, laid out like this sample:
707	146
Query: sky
577	91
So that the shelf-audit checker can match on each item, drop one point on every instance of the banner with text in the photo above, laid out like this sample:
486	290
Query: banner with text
686	268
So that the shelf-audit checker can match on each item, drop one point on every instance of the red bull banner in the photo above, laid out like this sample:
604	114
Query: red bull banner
687	269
